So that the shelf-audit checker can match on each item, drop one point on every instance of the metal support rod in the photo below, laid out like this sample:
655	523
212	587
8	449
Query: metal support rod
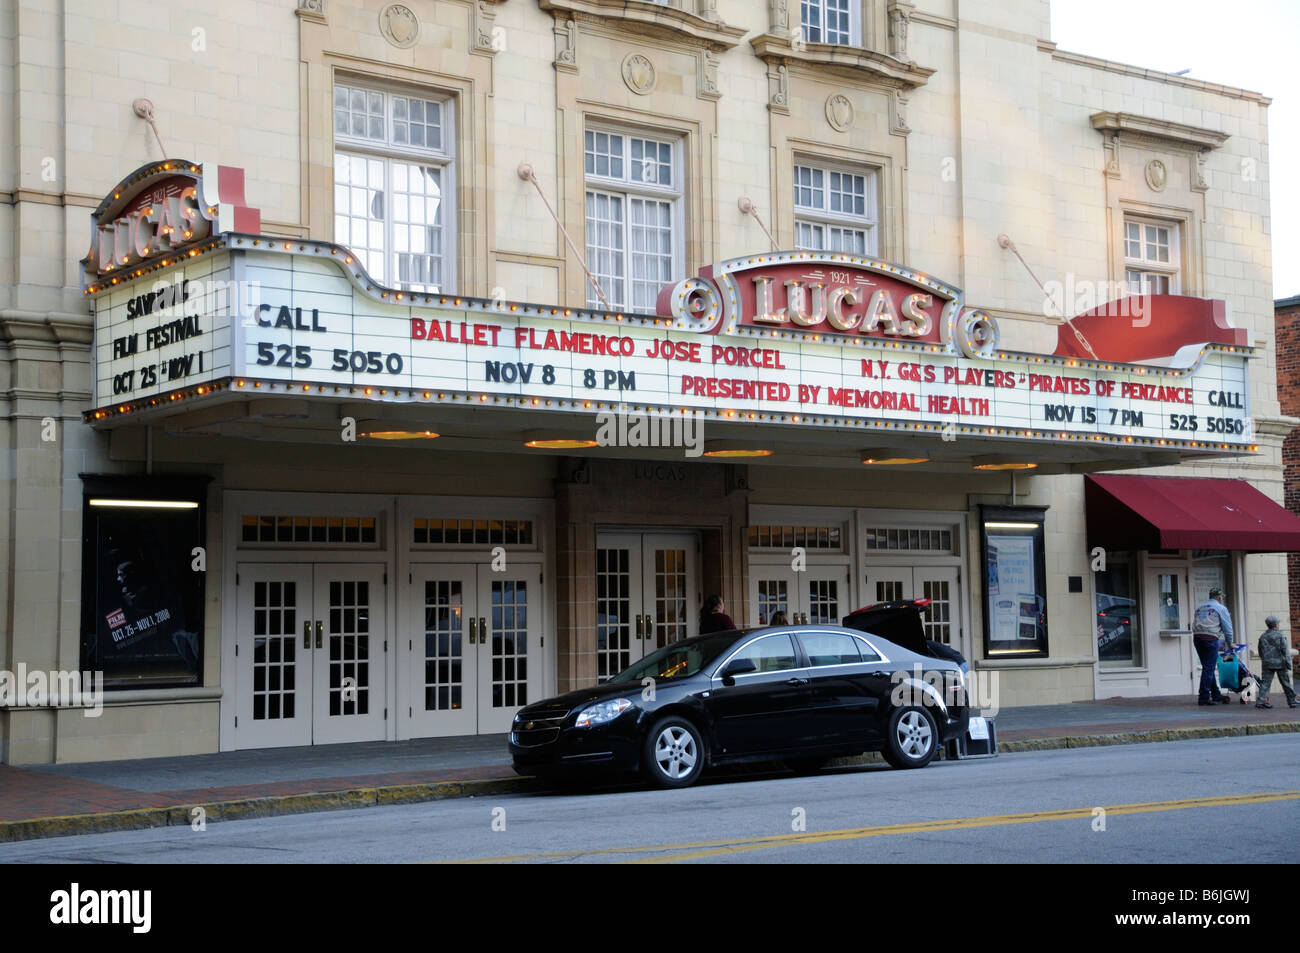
747	207
1005	242
528	175
144	109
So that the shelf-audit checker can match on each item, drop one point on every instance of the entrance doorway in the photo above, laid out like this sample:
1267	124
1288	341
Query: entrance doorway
813	596
936	583
647	595
474	649
309	651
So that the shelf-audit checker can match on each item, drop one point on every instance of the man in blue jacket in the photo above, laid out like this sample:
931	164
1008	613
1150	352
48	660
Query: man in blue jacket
1210	623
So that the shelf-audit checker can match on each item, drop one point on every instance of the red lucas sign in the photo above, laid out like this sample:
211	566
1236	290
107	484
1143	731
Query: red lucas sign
162	209
827	293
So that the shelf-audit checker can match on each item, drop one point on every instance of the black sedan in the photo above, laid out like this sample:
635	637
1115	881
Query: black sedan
799	694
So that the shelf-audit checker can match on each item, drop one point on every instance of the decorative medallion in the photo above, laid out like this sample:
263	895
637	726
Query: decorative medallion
839	112
1156	175
399	25
638	73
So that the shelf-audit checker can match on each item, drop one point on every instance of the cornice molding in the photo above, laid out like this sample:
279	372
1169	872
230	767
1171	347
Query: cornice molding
1177	133
1155	75
52	327
653	19
850	61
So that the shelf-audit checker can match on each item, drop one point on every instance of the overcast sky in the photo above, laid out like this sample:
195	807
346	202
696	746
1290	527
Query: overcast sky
1251	44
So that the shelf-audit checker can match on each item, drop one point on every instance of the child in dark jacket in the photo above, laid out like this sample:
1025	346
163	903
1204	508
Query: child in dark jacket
1274	658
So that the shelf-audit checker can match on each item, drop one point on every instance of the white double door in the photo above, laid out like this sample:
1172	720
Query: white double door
937	583
310	654
647	595
473	647
814	595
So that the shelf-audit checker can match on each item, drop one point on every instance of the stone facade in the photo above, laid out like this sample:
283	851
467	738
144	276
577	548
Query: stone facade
976	126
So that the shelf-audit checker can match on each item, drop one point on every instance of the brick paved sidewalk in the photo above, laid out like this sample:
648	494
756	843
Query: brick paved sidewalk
67	798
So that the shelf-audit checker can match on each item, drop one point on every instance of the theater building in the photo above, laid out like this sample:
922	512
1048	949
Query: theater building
395	365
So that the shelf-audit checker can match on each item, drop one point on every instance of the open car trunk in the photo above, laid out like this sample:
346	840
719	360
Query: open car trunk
901	623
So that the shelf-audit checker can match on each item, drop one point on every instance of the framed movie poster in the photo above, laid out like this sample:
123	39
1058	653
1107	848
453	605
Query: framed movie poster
143	575
1015	581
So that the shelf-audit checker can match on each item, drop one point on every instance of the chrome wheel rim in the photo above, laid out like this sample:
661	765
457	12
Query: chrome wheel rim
914	735
675	752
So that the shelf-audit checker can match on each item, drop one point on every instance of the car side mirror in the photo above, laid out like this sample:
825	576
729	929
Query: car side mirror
740	666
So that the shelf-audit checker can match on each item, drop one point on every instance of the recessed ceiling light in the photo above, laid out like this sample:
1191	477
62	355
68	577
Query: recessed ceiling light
401	435
733	452
1008	465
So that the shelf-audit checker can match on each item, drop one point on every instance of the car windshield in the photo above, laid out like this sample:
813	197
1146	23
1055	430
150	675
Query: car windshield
679	660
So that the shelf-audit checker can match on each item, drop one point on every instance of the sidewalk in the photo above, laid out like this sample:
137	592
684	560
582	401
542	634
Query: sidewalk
52	800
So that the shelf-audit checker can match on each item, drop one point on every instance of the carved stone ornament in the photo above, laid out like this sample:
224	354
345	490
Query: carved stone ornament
566	44
707	72
638	73
839	112
313	10
399	25
488	37
1200	171
1157	175
900	17
778	88
779	17
1111	145
900	113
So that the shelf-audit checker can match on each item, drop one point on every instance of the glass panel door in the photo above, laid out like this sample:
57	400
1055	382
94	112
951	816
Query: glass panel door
771	589
509	652
274	706
670	597
620	618
348	654
442	668
822	603
939	585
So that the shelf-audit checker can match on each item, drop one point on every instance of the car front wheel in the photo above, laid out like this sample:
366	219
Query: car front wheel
912	739
673	756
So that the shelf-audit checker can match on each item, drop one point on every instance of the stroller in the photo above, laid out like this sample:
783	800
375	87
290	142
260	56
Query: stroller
1234	676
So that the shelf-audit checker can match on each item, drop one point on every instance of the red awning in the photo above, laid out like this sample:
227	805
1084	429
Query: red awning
1136	512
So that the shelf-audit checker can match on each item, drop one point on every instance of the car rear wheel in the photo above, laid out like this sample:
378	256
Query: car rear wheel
912	739
673	756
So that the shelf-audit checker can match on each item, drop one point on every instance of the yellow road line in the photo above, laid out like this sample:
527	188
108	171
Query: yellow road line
701	849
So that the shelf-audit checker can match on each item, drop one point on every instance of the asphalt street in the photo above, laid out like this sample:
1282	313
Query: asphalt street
1212	801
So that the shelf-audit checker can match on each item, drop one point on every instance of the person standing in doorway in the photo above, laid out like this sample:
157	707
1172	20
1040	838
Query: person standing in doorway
1274	659
1210	624
713	616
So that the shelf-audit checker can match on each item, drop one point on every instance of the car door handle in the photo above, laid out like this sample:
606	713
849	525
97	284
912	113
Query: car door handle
796	681
880	675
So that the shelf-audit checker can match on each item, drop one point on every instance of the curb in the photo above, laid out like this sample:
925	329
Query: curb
250	808
276	806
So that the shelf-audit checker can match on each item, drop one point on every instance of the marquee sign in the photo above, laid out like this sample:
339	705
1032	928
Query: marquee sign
830	294
303	317
161	211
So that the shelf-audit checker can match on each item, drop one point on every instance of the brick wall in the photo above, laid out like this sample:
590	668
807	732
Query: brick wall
1287	318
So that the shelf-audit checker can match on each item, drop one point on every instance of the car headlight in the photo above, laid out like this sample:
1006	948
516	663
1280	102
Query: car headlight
602	713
